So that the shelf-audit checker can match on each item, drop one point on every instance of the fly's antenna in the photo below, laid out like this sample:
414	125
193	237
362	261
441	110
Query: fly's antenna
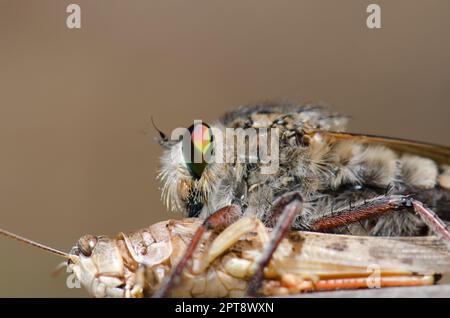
35	244
162	135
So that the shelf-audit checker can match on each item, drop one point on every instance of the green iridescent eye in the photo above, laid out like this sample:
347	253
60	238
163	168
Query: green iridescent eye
197	148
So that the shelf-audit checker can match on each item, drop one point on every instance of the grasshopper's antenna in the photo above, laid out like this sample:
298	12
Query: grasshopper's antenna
36	244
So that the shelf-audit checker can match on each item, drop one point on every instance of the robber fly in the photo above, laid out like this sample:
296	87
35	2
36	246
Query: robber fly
327	180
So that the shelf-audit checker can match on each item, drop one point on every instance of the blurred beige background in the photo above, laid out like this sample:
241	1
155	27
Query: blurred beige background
77	149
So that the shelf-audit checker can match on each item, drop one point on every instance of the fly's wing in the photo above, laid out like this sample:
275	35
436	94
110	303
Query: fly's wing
330	255
440	154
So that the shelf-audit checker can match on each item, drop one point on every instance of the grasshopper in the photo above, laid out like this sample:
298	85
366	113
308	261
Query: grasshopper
136	264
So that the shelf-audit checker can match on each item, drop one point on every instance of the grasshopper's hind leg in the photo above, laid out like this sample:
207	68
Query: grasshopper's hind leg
217	222
285	209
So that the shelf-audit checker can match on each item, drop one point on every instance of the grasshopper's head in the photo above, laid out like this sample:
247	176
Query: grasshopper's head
129	265
100	264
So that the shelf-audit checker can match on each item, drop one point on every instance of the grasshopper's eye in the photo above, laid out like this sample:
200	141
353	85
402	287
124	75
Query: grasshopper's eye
198	148
86	244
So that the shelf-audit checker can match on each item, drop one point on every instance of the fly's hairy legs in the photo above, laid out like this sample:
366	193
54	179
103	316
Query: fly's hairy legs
384	205
217	222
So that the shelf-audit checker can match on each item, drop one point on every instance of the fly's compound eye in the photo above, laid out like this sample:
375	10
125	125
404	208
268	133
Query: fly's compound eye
197	148
86	244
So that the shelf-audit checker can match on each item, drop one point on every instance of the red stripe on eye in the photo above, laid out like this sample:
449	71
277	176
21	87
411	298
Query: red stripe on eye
201	136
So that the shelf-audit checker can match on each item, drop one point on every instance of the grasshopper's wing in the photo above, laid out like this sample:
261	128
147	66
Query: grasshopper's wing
440	154
330	255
